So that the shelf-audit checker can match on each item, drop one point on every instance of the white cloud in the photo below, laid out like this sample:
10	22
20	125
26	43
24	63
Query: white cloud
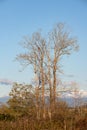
5	82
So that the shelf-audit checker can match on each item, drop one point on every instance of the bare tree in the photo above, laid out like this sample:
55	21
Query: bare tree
61	44
45	55
35	55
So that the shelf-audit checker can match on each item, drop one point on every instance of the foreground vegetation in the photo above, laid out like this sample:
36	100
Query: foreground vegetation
64	118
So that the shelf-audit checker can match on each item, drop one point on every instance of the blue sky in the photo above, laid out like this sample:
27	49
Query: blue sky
19	18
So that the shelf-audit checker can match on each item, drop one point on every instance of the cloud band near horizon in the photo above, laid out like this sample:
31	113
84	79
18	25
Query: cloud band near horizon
5	82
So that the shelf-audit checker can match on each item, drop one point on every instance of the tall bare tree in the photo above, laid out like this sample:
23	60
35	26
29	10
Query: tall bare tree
45	56
61	44
35	56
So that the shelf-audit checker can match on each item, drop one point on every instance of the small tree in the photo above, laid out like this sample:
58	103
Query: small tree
22	98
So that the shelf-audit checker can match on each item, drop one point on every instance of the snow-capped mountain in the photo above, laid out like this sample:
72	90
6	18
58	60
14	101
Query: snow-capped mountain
69	96
74	94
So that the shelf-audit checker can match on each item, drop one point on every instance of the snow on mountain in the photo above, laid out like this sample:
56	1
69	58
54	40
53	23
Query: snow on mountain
64	95
74	94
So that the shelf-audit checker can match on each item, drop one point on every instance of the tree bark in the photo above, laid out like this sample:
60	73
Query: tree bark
43	88
54	85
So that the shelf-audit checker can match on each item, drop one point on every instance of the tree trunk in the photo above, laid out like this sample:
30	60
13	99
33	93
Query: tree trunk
43	89
65	125
51	97
54	85
37	103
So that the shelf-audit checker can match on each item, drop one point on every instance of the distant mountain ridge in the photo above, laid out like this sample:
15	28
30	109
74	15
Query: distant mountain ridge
69	97
4	99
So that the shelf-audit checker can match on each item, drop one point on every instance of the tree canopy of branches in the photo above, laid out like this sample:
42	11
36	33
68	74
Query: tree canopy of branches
44	54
